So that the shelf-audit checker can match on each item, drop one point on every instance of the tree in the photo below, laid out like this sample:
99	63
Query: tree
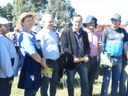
61	11
21	6
1	11
7	11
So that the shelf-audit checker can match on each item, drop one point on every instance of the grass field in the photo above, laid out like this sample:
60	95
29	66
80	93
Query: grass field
61	91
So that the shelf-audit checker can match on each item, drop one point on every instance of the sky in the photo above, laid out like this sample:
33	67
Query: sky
103	10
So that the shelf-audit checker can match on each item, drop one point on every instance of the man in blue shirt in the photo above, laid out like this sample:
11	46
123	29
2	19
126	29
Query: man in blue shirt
31	55
8	59
114	40
49	44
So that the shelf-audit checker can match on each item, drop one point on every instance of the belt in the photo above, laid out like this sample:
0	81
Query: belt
51	60
93	56
116	57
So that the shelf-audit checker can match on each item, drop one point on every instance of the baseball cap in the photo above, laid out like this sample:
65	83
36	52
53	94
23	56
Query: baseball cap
89	19
4	21
116	16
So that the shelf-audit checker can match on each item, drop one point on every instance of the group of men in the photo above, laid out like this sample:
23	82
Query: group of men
41	50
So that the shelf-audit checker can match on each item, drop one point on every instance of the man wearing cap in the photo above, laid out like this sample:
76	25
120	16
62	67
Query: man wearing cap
49	44
75	41
93	36
31	55
8	59
123	88
113	40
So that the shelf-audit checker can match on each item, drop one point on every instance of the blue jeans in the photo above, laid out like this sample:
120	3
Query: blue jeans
82	71
92	67
53	81
116	72
123	89
30	92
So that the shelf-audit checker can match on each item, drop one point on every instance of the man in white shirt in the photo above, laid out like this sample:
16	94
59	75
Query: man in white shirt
8	59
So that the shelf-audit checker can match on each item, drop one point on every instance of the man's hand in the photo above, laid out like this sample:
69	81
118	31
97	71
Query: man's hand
10	79
76	60
43	63
86	59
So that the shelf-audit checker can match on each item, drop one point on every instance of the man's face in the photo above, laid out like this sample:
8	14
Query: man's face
115	22
77	22
48	23
91	25
4	28
28	22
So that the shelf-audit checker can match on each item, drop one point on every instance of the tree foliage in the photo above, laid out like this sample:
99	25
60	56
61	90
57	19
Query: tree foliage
21	6
61	11
6	11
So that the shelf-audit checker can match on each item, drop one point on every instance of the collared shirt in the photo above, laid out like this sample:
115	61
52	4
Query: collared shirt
27	41
7	52
93	38
79	41
49	43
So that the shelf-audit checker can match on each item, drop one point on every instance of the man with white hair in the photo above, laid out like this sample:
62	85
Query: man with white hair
8	59
49	44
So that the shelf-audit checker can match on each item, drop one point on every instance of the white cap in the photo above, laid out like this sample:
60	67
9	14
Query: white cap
4	21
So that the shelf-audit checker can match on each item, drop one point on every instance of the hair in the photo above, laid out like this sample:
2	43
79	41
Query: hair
45	16
95	20
77	16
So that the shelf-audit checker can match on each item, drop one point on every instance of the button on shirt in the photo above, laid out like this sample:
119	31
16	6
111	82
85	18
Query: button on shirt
7	52
49	43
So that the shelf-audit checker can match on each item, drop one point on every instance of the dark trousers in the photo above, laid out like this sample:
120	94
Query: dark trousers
123	88
5	87
92	67
30	92
82	71
52	81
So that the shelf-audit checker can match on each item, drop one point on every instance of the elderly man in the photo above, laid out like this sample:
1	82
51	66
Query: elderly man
114	40
8	59
49	44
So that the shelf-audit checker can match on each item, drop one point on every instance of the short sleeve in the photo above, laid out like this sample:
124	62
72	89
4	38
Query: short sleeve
27	44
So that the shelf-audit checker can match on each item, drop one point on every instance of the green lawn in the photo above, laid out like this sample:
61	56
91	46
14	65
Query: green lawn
60	91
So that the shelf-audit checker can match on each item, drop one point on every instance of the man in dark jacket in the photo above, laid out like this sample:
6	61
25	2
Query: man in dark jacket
75	41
